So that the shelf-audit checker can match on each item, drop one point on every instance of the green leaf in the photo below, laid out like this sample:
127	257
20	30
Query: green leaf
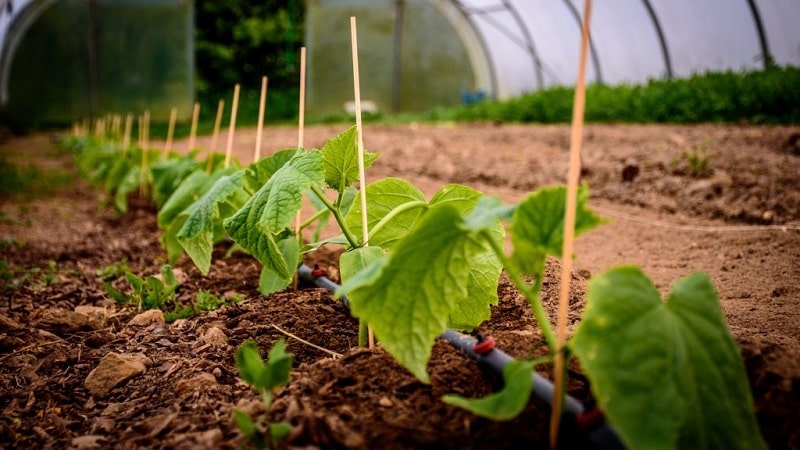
279	431
197	235
408	297
484	269
248	361
673	360
275	205
168	277
261	171
168	175
383	197
506	404
269	281
356	260
272	209
537	228
169	239
188	192
245	424
340	159
260	376
128	184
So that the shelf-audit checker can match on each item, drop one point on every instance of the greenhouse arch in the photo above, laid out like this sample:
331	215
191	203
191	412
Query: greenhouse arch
533	45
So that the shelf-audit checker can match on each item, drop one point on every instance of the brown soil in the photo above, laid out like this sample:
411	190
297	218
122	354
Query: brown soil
739	221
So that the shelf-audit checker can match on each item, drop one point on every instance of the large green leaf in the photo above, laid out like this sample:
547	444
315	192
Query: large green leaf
275	205
269	281
508	402
168	175
383	197
340	159
408	297
358	259
537	228
188	192
668	375
261	171
484	269
272	209
197	235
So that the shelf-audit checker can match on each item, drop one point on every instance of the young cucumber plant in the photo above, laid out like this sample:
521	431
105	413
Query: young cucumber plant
673	361
265	379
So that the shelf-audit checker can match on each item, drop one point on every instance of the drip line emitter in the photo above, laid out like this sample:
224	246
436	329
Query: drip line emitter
483	349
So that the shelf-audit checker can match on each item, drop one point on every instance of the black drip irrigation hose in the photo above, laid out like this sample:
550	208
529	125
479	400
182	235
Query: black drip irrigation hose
598	431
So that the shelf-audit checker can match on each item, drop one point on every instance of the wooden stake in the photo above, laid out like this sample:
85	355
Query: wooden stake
193	131
173	116
126	139
145	163
232	126
302	106
576	142
301	123
362	179
215	136
260	129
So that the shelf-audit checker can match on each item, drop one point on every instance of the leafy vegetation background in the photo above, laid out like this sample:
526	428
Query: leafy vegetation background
239	41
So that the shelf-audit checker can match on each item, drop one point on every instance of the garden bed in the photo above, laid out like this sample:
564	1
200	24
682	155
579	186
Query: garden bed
721	199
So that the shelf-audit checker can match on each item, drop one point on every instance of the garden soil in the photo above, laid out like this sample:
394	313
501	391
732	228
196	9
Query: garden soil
723	199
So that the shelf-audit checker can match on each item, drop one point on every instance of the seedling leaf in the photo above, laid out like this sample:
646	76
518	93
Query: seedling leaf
260	376
261	171
537	228
197	235
383	197
673	360
274	206
340	159
508	402
408	297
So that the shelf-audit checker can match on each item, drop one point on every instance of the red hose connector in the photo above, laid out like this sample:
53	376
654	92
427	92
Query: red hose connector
591	419
318	271
484	345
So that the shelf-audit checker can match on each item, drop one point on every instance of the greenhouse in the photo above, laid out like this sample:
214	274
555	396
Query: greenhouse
69	59
400	224
416	54
424	53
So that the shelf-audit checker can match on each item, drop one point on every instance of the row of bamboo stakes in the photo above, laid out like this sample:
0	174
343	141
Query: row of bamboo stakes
114	122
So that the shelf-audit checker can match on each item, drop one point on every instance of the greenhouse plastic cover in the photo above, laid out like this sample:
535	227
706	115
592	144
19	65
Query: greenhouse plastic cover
62	60
509	47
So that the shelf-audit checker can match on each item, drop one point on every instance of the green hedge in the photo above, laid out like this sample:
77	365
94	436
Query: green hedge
769	96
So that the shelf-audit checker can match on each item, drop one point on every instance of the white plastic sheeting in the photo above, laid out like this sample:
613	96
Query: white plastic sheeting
533	44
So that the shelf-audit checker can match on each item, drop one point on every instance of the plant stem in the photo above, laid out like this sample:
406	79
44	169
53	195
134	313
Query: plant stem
397	211
311	219
337	215
531	292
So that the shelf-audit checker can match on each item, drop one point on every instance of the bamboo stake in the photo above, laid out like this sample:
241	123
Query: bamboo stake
126	139
115	126
215	136
300	144
193	131
302	108
173	116
576	142
145	162
232	126
362	179
259	131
